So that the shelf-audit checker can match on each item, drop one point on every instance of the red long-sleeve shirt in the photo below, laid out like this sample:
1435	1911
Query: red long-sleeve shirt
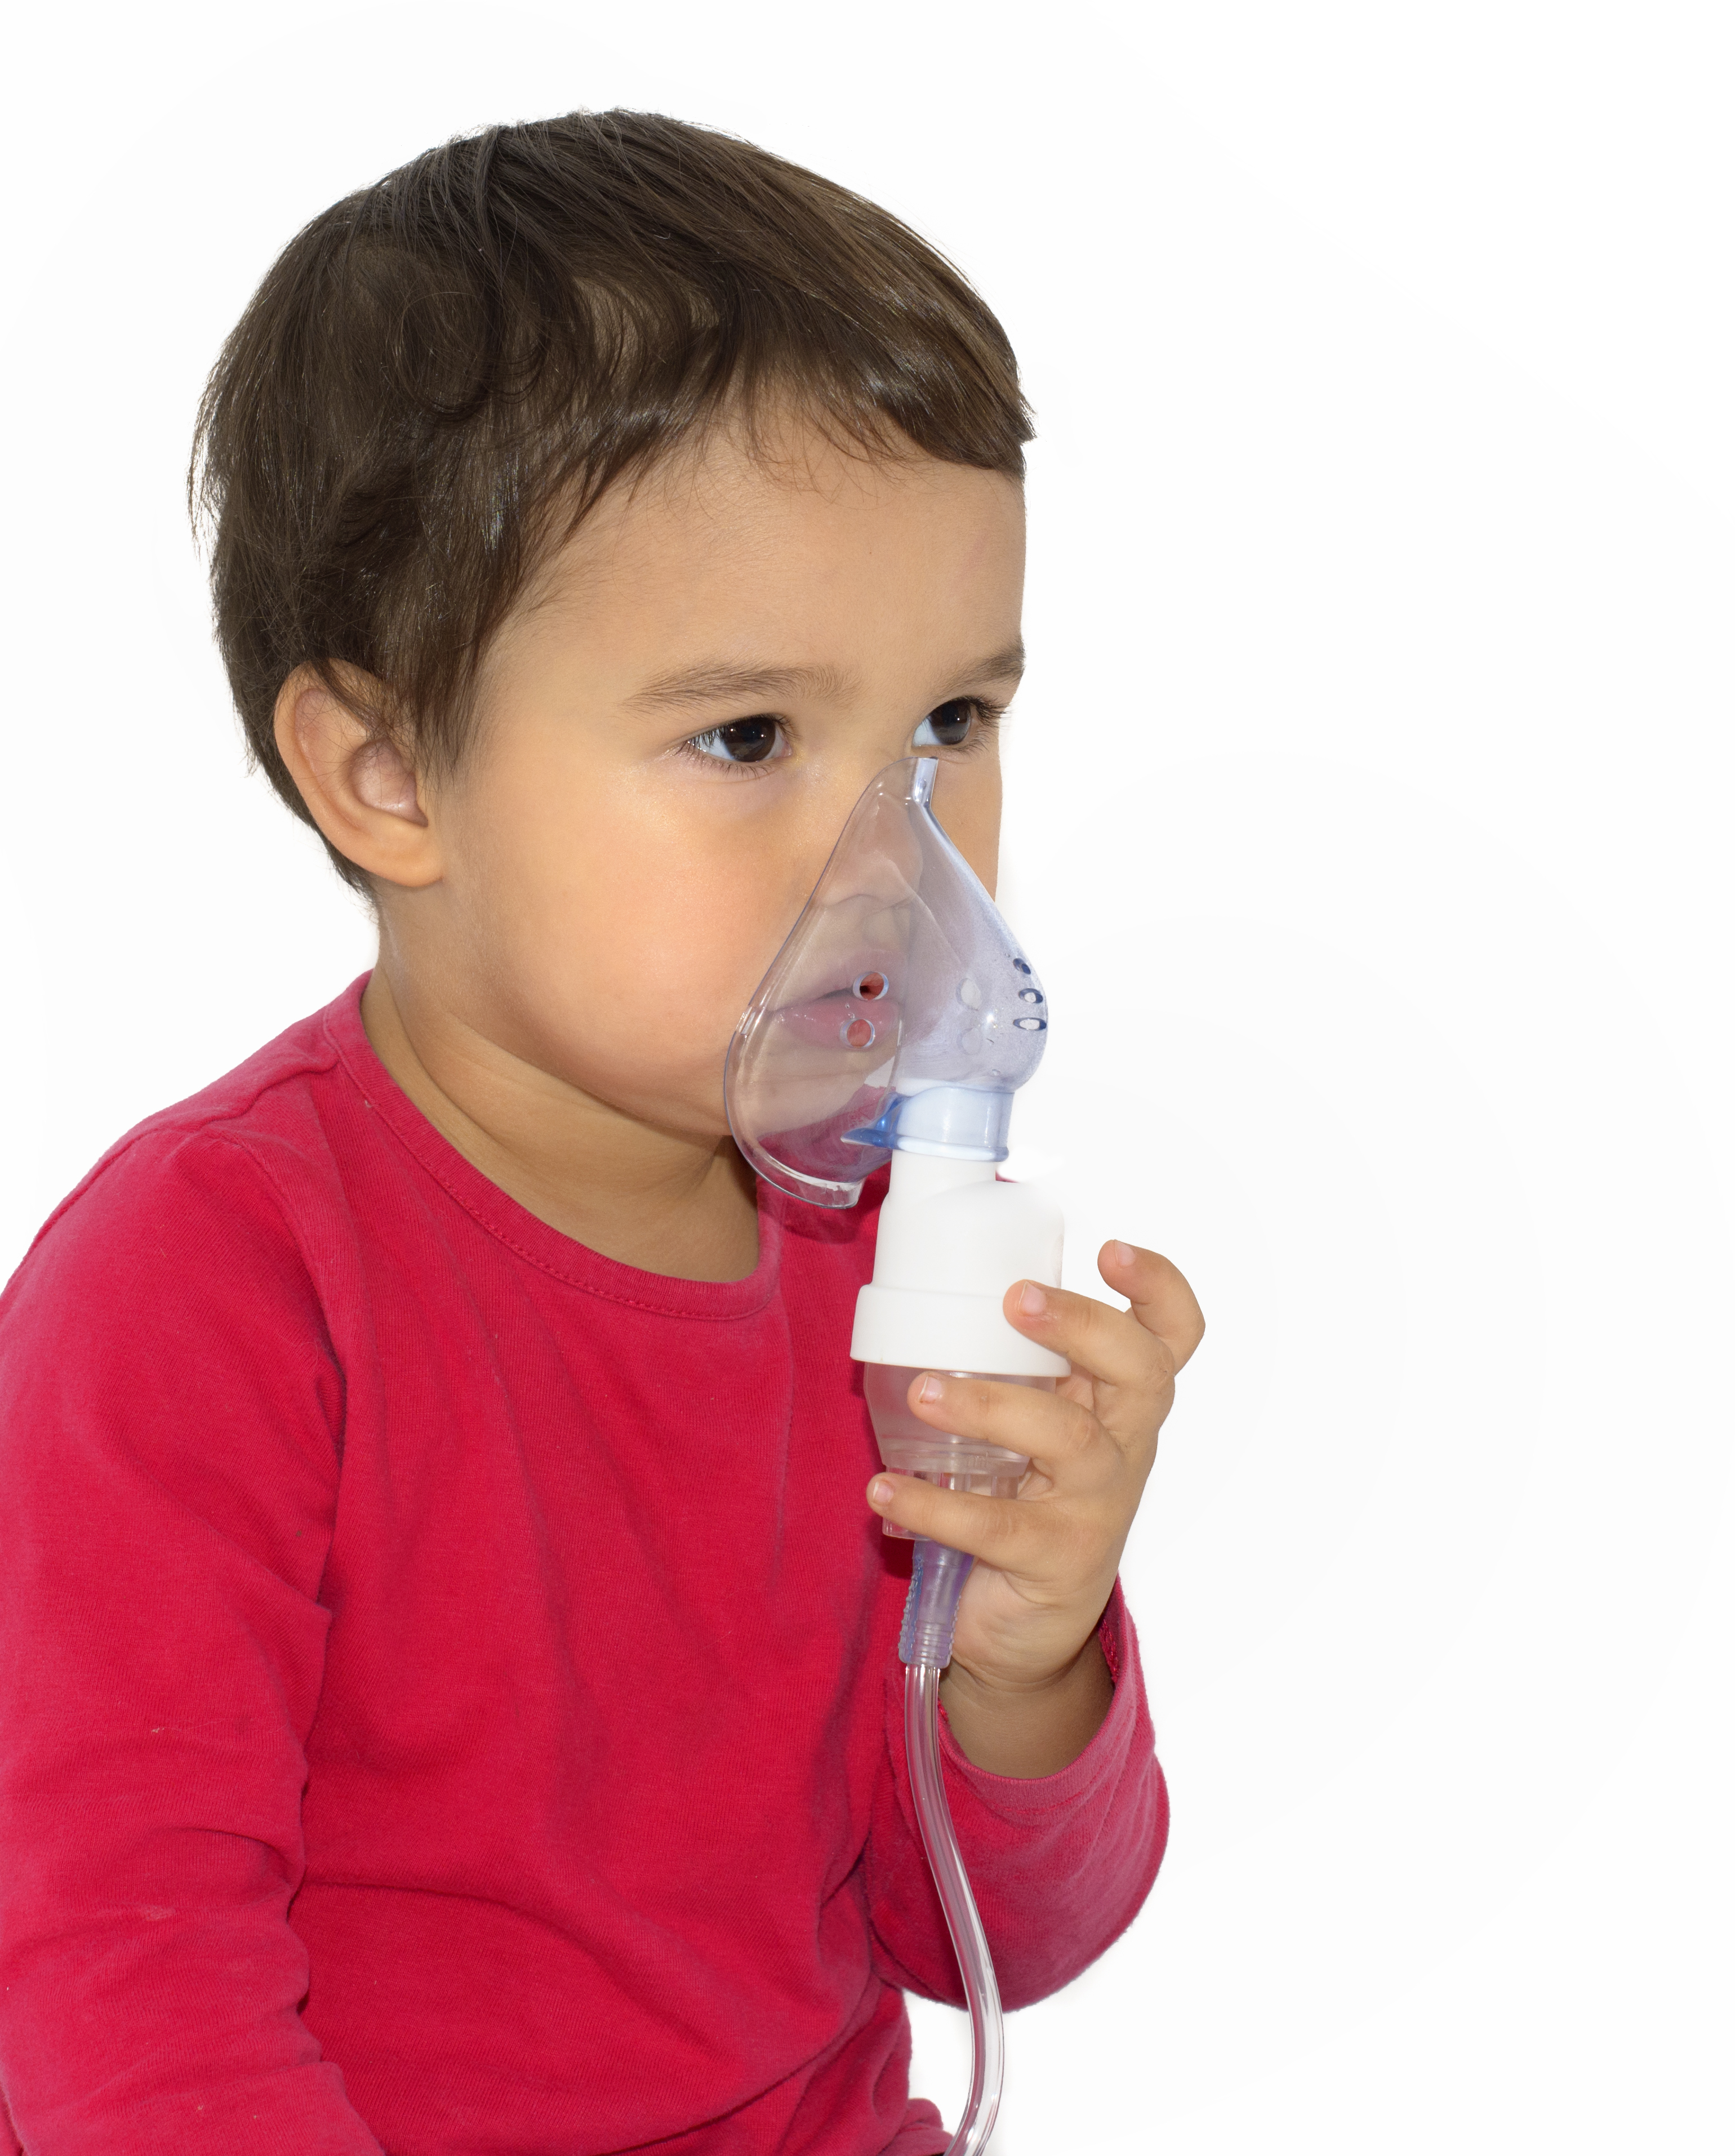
449	1693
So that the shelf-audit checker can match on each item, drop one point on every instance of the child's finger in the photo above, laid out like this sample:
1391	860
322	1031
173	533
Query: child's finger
1046	1427
1109	1344
997	1530
1161	1300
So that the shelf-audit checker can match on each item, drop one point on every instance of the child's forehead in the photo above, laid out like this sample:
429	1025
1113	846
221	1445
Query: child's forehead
739	523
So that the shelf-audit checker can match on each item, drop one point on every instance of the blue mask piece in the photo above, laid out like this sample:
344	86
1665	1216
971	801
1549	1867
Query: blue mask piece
899	1015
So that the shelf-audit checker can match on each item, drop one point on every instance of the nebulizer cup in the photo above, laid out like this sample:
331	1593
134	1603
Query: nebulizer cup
896	1023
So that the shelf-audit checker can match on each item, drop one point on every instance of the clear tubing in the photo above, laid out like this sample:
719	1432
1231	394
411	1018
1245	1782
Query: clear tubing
936	1582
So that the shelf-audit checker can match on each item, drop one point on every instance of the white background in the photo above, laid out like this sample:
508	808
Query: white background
1368	819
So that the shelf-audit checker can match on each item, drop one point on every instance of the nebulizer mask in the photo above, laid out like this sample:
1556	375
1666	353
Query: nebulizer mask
896	1023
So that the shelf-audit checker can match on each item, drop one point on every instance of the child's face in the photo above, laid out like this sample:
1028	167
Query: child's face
615	871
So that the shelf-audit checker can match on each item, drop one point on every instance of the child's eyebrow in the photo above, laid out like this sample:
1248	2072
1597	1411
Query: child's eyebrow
713	680
1007	664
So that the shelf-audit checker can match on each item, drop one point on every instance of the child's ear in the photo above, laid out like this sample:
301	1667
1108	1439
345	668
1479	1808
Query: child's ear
358	788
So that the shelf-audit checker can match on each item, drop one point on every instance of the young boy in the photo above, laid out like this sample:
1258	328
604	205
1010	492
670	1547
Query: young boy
449	1692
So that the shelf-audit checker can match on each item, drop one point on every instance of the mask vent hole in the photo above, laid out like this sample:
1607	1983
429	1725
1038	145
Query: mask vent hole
857	1032
870	986
1031	1025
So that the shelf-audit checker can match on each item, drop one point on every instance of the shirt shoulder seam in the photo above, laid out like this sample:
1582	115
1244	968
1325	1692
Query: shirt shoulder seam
182	1122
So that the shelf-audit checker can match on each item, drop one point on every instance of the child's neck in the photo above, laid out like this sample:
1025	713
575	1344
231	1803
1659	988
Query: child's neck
644	1197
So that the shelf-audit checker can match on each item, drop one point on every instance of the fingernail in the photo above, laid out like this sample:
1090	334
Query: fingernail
1032	1301
1121	1253
931	1389
880	1492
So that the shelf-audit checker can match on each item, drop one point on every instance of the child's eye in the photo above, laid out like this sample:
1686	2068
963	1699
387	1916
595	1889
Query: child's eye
742	740
948	726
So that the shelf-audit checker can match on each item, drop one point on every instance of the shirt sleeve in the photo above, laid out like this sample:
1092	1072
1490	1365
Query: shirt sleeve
168	1482
1060	1864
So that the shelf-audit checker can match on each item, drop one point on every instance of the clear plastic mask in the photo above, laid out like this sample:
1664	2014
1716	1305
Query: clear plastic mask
899	1012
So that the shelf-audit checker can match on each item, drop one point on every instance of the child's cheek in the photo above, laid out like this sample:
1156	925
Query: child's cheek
621	943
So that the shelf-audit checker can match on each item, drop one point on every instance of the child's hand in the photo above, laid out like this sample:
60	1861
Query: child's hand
1027	1684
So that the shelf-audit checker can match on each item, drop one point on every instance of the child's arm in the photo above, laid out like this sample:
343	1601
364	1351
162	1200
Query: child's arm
1060	1864
167	1484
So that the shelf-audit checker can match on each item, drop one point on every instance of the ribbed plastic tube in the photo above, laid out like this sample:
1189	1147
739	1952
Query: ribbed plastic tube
936	1580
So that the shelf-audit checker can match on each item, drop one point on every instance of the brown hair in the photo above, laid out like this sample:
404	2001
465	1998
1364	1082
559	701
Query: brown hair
438	368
